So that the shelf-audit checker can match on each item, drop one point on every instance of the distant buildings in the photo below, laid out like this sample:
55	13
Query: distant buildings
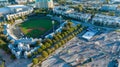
44	4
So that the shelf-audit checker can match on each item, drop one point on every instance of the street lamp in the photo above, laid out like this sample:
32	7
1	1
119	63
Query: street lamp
53	22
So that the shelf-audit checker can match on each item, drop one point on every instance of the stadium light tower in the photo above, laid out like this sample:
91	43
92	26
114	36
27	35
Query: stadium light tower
53	22
60	19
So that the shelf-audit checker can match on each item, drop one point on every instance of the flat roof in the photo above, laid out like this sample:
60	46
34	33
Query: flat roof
88	35
16	6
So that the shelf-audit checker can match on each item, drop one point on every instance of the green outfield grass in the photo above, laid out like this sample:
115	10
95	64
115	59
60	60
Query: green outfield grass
36	27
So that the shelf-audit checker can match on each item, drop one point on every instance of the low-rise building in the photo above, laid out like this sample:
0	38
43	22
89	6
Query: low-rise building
108	7
80	16
104	20
90	33
69	12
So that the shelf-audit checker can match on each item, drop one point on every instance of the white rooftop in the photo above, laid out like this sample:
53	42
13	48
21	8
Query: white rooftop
88	35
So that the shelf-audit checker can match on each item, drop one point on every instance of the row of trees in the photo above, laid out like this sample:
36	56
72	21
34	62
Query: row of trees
61	1
58	40
41	11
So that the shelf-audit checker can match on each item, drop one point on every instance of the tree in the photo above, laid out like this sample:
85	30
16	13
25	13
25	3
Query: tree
54	41
52	49
47	45
78	25
61	1
62	42
36	11
65	40
59	44
41	58
48	40
62	35
29	55
71	30
38	42
2	64
56	46
69	24
107	1
35	53
44	54
112	14
43	47
35	61
55	37
65	33
13	56
49	51
80	7
59	36
39	50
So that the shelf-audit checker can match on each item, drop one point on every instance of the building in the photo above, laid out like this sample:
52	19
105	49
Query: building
44	3
111	7
31	0
3	0
91	32
107	7
15	11
115	1
21	1
103	20
69	12
4	3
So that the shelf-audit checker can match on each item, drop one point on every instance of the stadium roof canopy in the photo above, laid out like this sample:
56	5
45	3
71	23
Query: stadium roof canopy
13	9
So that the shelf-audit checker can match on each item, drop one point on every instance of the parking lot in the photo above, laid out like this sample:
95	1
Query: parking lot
102	48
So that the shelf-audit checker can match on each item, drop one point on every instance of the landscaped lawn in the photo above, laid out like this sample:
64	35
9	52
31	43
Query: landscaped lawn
36	27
